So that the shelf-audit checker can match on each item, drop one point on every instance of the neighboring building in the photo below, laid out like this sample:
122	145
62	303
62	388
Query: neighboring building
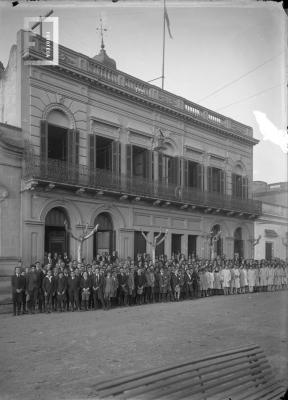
273	224
11	151
88	157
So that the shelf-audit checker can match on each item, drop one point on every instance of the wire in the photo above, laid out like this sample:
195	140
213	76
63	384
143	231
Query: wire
250	97
240	77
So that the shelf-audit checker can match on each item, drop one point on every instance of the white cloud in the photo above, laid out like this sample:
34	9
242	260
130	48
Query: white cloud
270	132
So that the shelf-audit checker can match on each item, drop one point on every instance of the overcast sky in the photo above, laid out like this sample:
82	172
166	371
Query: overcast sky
214	44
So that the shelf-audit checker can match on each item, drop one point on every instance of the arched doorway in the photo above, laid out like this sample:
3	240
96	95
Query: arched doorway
238	243
56	238
104	238
218	247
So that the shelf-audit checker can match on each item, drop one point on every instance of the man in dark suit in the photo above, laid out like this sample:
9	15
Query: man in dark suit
98	289
188	283
40	295
73	290
18	287
32	284
48	288
66	294
90	277
61	288
122	291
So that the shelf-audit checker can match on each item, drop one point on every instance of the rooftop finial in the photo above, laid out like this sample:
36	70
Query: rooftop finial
101	29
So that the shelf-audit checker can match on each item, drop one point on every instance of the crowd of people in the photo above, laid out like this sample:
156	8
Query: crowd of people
62	284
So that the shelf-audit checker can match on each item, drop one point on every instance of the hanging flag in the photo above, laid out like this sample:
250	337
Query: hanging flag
167	20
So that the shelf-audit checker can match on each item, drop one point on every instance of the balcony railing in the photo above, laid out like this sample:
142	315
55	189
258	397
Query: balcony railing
56	171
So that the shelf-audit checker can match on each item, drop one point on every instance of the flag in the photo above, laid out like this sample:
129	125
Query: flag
167	20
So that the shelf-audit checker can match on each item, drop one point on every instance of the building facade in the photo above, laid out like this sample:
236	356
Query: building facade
89	156
272	225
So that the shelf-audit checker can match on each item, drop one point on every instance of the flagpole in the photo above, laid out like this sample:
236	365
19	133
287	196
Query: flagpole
163	53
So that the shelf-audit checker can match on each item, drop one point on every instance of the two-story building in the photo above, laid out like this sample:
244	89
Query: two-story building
272	226
89	156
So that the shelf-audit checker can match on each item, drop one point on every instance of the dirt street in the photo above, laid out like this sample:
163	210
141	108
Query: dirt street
59	355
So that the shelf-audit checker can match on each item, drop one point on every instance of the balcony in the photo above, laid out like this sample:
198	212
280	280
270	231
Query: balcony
80	179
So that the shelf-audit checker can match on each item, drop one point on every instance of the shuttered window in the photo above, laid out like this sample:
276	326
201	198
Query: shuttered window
216	180
239	186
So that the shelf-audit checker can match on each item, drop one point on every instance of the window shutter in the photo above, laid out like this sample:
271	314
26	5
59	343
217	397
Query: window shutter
234	185
210	179
92	152
44	140
70	154
160	167
245	188
92	158
73	153
43	147
129	159
185	172
116	157
222	181
178	171
149	164
119	157
174	170
200	176
76	147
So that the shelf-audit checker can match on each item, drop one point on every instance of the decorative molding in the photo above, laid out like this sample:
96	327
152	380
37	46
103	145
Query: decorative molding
193	149
217	157
58	106
93	120
137	133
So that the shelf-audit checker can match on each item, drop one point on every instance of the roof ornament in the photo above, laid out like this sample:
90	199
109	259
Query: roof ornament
101	30
158	141
102	56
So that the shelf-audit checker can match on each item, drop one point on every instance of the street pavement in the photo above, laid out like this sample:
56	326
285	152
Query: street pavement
61	355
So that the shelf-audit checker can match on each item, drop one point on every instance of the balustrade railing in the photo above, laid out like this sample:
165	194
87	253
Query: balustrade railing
57	171
89	67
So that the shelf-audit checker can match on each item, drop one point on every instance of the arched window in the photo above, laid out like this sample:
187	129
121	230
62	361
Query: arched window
56	238
104	238
59	141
